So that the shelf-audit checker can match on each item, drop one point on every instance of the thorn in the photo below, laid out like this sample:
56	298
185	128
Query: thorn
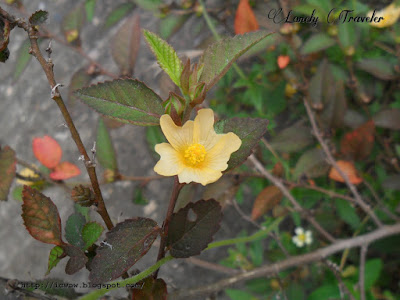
63	125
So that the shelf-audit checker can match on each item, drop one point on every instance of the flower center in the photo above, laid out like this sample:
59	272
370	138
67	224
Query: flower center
195	154
302	237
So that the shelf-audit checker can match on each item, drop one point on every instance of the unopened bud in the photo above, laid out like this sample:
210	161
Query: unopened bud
82	195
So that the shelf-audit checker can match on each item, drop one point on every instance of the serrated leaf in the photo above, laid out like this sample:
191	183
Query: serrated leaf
192	228
38	17
7	171
292	139
358	143
90	6
23	58
166	56
348	168
125	45
249	130
118	14
312	164
317	42
41	217
91	233
65	170
104	147
245	20
72	23
127	100
378	67
269	197
388	118
218	57
125	244
47	151
79	80
56	254
150	289
73	230
77	260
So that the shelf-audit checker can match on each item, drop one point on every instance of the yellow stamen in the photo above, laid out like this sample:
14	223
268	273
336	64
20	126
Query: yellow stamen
302	237
195	154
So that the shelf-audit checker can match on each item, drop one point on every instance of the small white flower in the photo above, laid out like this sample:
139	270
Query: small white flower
302	237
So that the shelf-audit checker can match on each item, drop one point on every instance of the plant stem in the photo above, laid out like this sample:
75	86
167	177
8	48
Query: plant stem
164	233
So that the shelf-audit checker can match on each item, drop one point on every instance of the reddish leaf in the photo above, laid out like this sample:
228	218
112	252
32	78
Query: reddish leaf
47	151
150	289
7	170
77	260
283	61
347	167
358	143
269	197
65	170
245	20
41	217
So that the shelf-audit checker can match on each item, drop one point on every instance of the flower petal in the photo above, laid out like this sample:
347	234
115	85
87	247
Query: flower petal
169	163
200	175
178	137
203	131
299	230
217	158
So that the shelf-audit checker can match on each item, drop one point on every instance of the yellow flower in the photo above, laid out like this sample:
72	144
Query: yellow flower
26	172
390	16
195	152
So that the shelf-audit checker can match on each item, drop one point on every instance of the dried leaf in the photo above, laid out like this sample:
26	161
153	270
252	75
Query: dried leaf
125	45
192	228
269	197
358	143
56	254
47	151
41	217
388	118
150	289
104	147
348	168
245	20
125	244
65	170
77	260
283	61
7	171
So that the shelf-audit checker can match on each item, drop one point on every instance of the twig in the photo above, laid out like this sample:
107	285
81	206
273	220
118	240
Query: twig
211	266
336	271
380	233
361	278
278	183
365	207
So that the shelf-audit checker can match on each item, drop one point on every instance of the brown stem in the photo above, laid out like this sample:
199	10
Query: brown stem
271	269
174	196
361	280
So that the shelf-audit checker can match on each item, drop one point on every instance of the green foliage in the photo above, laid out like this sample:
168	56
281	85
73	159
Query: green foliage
104	147
91	233
56	254
316	43
38	17
23	58
73	230
118	14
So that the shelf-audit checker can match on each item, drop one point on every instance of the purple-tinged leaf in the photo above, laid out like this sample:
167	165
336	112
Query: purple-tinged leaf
150	289
312	164
192	228
7	171
292	139
77	260
125	244
388	118
378	67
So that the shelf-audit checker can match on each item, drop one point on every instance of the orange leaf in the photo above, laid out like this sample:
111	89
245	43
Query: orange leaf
41	217
358	143
347	167
245	20
265	201
65	170
47	151
283	61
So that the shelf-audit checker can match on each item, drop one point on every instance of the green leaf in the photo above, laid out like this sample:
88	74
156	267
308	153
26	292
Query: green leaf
218	57
127	100
7	171
347	34
239	295
38	17
125	45
328	291
380	67
171	24
41	217
138	197
192	228
292	139
72	24
312	164
90	6
90	233
125	244
79	80
347	213
388	118
317	42
166	56
373	269
104	147
56	254
154	136
23	58
148	4
17	193
250	131
118	14
73	230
